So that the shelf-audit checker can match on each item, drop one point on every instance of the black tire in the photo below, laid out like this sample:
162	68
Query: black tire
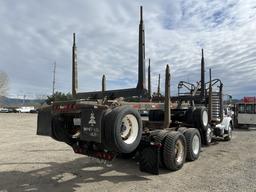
113	126
174	141
182	129
193	140
206	136
189	115
60	130
159	138
200	116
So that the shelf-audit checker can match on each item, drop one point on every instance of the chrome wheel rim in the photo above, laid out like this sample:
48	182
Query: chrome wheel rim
129	128
205	118
209	135
195	144
179	152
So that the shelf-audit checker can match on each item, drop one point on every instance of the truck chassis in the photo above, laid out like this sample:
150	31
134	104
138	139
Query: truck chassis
106	124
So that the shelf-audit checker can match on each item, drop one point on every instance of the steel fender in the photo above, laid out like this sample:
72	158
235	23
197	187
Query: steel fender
44	122
225	123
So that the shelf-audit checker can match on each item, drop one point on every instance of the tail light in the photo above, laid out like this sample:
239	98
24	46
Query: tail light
65	107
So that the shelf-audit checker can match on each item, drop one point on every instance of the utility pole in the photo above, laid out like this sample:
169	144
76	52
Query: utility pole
53	81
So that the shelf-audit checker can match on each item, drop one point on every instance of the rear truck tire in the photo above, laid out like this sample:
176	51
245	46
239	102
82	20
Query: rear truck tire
159	138
182	129
189	115
200	116
193	140
123	129
60	131
206	136
201	122
228	137
174	152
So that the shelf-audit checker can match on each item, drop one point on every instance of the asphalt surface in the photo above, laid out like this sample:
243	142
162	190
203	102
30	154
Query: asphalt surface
35	163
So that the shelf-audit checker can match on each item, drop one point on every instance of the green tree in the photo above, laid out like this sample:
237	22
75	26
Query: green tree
58	96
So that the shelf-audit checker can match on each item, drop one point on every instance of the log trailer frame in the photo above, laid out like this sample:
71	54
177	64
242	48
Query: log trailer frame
106	123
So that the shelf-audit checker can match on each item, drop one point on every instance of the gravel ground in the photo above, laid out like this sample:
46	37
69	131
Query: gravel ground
35	163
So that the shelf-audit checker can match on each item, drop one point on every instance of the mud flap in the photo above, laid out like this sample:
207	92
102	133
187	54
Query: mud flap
44	122
149	158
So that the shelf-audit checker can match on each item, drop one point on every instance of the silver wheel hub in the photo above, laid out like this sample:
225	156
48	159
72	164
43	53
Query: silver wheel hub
179	152
195	144
209	135
129	128
205	118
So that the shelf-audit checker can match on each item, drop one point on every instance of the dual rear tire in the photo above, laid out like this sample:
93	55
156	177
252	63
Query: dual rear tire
177	146
200	116
193	140
174	151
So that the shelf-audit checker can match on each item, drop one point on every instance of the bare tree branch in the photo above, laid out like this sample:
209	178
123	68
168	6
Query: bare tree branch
3	83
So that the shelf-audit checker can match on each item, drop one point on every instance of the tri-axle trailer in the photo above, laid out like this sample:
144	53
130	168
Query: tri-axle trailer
108	123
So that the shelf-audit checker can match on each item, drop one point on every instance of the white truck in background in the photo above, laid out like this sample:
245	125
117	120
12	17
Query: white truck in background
245	114
26	109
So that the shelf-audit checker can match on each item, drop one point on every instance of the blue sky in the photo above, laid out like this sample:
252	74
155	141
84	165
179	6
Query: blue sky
34	34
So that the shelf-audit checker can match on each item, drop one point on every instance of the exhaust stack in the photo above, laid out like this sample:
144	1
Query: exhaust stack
74	68
202	77
103	86
141	61
149	79
210	97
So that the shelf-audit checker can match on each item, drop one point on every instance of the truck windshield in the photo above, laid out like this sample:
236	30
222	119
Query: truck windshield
249	108
241	108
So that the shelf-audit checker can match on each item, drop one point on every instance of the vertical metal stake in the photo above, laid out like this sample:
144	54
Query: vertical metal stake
167	107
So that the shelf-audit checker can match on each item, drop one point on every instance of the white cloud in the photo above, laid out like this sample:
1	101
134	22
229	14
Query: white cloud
37	33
